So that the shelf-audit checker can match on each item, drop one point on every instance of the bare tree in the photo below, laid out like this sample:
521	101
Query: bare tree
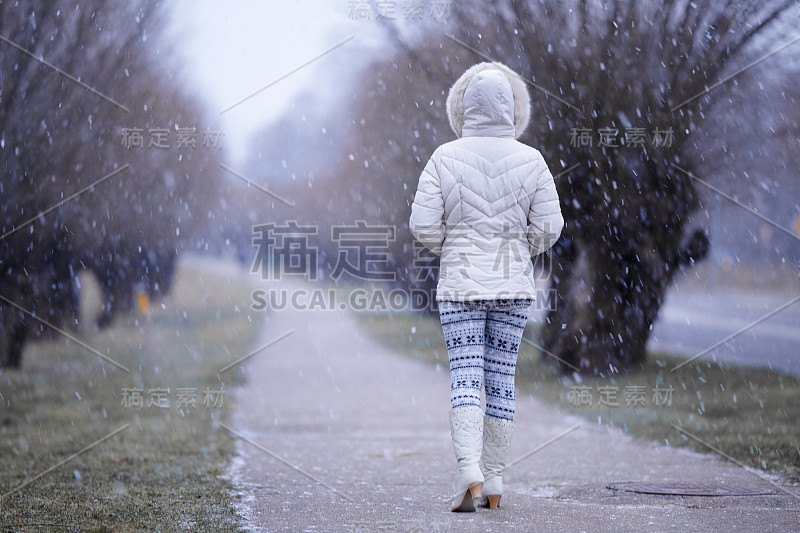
618	88
75	76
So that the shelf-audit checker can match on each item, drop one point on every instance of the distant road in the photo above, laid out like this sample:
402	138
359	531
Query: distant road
692	321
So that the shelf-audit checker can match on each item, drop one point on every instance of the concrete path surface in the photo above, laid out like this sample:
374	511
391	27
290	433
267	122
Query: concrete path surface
336	432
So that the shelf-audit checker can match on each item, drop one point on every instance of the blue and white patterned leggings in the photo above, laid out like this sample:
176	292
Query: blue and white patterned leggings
483	338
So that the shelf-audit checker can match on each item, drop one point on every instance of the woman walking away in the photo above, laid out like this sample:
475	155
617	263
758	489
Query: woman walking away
486	203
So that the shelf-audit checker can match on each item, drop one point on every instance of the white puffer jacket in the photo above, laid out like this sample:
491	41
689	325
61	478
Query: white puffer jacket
485	202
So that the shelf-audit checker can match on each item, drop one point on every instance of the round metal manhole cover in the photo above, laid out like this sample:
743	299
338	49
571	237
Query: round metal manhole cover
691	489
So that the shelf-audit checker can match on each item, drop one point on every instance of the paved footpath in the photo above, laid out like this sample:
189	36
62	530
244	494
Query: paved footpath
373	425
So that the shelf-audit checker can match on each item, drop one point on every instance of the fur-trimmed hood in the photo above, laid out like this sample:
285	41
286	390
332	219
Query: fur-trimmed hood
489	99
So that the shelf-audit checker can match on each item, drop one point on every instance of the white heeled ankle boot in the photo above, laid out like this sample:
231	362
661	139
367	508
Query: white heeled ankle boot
466	428
496	443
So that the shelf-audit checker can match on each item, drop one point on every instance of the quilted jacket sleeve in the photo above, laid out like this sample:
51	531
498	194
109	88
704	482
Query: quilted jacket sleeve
427	211
544	217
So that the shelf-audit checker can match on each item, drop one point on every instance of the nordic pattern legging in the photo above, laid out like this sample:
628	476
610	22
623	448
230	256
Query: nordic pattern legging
483	339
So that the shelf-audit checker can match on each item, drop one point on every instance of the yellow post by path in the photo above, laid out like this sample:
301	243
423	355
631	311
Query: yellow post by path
143	302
